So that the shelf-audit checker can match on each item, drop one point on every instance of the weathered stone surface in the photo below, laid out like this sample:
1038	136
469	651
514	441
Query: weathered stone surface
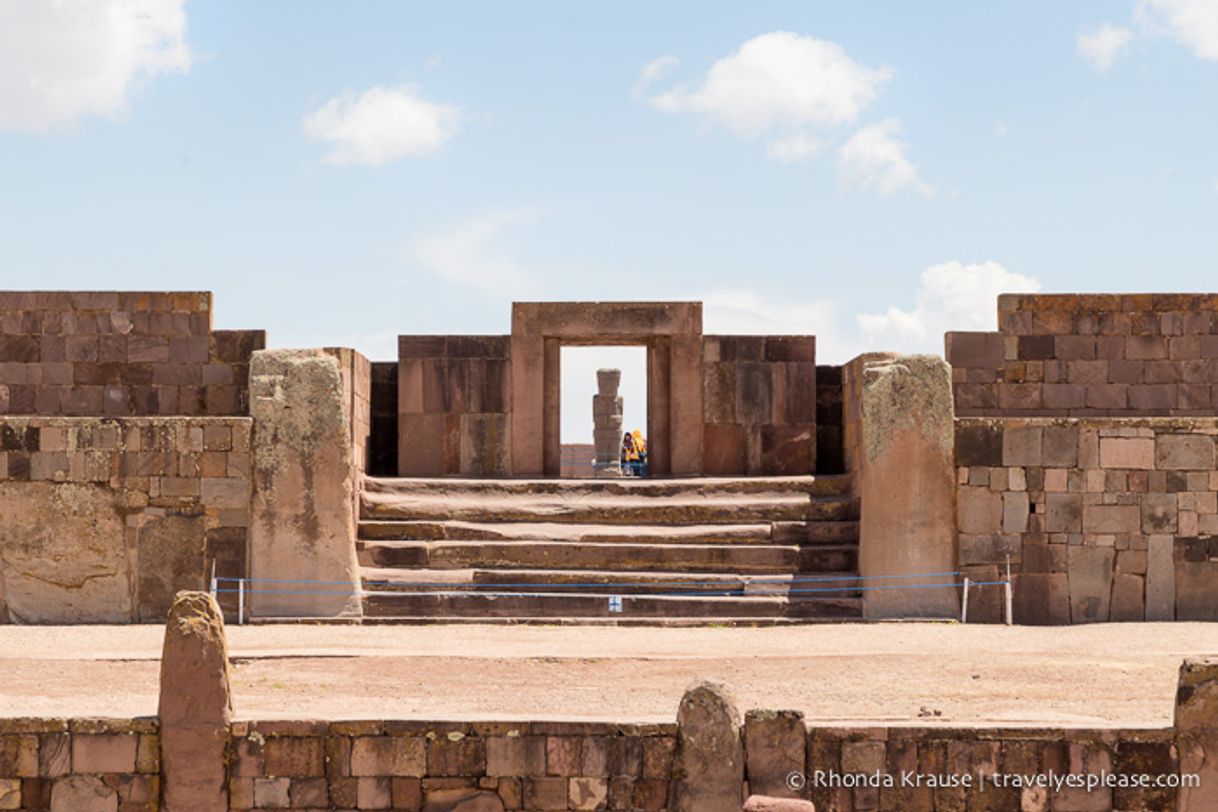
708	767
1196	597
195	707
303	523
1184	452
775	744
63	554
170	556
1041	599
463	800
1196	723
907	480
1128	603
761	803
83	793
1090	583
1160	578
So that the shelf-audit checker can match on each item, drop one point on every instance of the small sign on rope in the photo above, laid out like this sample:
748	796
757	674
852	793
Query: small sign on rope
615	603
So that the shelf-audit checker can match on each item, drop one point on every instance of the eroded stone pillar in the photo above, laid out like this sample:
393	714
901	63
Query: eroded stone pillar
607	422
302	538
708	767
1197	733
775	744
195	707
905	476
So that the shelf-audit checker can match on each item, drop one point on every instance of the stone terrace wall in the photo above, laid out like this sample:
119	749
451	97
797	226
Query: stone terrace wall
759	398
403	765
104	520
81	764
1086	355
108	353
454	404
1112	519
977	752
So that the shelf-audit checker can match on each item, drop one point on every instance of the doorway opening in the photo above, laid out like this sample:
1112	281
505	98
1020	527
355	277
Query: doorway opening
581	423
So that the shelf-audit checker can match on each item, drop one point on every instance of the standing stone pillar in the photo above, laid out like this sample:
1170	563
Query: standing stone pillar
904	474
302	539
607	422
1197	733
708	766
195	707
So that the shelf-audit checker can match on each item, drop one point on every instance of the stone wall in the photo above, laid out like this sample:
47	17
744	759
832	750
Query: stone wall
82	765
383	419
760	405
106	518
1088	355
982	752
108	353
454	403
1103	519
403	765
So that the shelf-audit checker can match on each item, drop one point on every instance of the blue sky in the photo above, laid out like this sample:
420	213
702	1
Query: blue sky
872	173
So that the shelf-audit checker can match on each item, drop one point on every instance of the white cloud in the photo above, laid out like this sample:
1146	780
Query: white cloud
1101	46
381	125
477	254
875	160
793	148
63	61
777	80
654	71
951	296
1193	23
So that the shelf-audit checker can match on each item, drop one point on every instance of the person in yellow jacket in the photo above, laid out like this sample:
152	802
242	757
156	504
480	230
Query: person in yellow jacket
634	453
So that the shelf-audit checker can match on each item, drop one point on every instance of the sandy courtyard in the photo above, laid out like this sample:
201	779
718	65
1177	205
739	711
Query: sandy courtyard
1107	675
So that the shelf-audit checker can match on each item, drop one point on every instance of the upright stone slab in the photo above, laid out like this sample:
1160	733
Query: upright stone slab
775	744
303	524
1197	733
905	476
708	767
195	707
607	422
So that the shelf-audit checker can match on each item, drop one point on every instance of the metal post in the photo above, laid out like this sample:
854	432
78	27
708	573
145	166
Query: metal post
213	580
241	602
1007	588
964	603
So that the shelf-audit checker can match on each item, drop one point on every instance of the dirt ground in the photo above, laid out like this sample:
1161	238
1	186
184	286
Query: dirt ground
893	673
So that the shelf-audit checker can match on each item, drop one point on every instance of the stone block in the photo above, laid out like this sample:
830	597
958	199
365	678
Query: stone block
1041	599
1160	578
978	443
388	756
1063	513
1091	571
708	767
1128	601
1196	725
974	350
1015	512
1196	598
272	793
83	793
103	753
1060	447
516	756
979	510
1111	519
725	450
1184	452
775	744
1159	513
1022	446
1127	452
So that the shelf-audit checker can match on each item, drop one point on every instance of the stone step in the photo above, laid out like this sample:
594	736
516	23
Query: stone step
823	532
836	485
574	582
611	510
735	558
416	530
439	605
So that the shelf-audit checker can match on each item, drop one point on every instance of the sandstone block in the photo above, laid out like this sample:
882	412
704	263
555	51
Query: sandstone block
388	755
272	793
585	794
1184	452
1159	513
1160	578
1022	445
1111	519
708	768
104	753
760	803
83	793
1041	599
468	800
195	707
1128	602
516	756
775	743
303	521
1091	571
1063	513
1127	452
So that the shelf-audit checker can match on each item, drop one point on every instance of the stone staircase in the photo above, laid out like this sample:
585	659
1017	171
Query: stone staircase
677	550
